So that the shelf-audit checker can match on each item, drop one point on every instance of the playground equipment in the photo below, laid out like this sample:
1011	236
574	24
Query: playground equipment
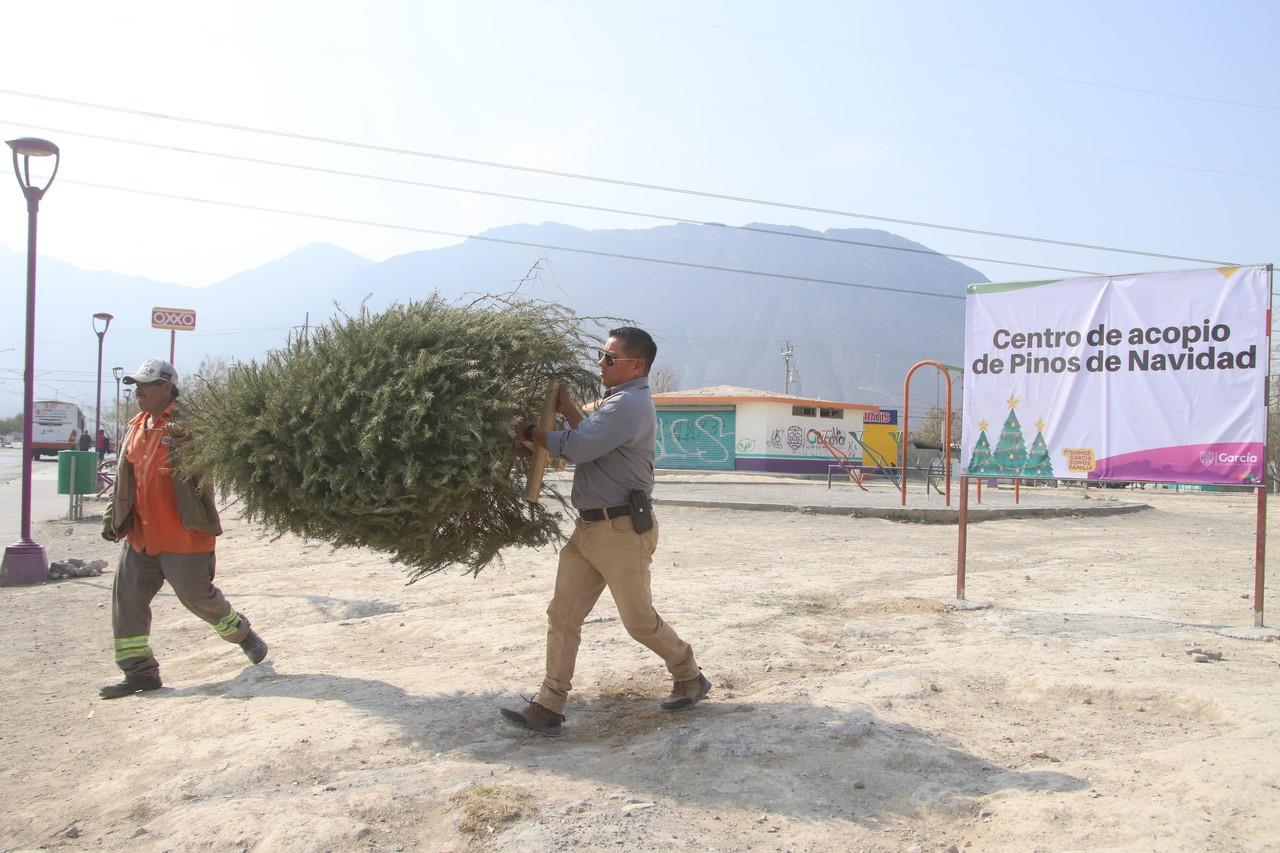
844	461
856	470
906	425
936	472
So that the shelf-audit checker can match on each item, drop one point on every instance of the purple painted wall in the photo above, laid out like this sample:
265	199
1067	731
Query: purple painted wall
798	465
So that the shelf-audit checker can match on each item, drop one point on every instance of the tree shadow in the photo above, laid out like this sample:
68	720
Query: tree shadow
332	607
803	760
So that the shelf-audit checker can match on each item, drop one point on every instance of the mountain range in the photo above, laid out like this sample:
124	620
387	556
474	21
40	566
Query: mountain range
712	327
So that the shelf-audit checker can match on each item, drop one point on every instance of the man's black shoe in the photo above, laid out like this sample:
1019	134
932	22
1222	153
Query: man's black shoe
254	647
130	686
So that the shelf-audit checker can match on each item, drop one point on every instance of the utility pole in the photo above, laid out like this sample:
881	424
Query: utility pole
305	328
788	352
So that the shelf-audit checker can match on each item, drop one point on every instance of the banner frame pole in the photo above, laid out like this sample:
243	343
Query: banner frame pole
962	543
1260	537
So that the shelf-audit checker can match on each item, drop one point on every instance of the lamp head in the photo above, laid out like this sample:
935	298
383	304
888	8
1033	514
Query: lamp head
106	322
29	146
117	372
26	148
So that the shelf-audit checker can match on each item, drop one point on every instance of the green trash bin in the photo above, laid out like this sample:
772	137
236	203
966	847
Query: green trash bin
86	472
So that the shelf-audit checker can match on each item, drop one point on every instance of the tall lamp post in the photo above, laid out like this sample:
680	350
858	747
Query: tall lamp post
117	372
105	319
25	561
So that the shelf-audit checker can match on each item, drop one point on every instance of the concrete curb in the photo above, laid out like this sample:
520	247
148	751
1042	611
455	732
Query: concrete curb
918	515
1250	633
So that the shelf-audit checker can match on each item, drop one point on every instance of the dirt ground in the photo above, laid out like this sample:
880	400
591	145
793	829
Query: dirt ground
852	710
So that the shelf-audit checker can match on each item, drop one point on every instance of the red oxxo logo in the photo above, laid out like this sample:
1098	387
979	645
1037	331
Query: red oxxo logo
182	319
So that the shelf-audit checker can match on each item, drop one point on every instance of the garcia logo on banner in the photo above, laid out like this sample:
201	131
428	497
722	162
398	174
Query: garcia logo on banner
1156	377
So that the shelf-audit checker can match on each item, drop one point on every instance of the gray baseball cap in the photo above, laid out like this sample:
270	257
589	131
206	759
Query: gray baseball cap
152	370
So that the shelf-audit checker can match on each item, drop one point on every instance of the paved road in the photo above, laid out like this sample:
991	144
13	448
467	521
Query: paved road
10	463
46	503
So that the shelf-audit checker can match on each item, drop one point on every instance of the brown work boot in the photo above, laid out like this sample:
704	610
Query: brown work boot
132	684
686	694
535	718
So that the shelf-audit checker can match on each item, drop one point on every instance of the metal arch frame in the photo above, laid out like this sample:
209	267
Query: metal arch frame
906	425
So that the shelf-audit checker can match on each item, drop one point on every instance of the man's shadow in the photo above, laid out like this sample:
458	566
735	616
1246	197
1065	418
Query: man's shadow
807	761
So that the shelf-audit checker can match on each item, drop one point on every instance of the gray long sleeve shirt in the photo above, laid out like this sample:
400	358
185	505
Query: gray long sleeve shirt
613	448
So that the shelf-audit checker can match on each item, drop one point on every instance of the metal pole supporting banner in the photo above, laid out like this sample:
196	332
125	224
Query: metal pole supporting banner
1260	544
173	338
963	543
1260	558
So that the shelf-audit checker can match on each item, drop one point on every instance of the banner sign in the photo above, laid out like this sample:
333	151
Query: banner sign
883	417
1156	377
182	319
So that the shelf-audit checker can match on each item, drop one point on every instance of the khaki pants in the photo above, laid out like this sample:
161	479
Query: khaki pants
139	577
606	553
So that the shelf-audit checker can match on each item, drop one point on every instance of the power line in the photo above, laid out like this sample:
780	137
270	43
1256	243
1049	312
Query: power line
917	58
548	246
595	208
386	149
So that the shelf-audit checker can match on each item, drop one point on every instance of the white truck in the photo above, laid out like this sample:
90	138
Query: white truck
56	425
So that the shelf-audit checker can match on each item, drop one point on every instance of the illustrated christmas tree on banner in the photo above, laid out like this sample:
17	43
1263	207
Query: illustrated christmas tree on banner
1011	449
1038	462
980	461
1010	457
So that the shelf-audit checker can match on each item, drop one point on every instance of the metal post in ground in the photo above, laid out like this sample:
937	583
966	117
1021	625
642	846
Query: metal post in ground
963	537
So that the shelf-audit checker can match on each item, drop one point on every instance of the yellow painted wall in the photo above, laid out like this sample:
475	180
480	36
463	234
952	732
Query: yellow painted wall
881	437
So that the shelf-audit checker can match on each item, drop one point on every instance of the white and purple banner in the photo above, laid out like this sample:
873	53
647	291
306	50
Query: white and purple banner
1156	377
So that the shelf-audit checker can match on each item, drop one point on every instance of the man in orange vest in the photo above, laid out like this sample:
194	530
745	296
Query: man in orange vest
170	523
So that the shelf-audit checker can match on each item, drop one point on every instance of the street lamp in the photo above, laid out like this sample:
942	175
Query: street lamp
24	560
105	319
117	372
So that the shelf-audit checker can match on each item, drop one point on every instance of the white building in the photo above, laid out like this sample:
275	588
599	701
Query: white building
728	428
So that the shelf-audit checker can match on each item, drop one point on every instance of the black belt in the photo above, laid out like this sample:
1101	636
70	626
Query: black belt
602	514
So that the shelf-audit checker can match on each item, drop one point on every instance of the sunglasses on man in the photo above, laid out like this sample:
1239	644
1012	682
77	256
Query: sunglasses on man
609	358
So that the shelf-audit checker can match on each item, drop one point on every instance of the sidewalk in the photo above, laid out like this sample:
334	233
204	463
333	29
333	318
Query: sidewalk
881	499
46	503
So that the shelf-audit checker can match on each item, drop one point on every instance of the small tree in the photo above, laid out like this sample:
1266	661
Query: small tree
935	425
394	431
662	379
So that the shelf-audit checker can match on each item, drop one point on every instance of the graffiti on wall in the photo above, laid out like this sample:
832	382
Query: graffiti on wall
692	440
775	440
834	436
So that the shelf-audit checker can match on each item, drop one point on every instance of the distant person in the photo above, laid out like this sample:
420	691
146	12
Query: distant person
101	444
615	535
86	443
170	524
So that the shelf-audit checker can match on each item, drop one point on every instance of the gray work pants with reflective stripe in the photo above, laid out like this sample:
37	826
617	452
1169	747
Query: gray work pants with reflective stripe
139	577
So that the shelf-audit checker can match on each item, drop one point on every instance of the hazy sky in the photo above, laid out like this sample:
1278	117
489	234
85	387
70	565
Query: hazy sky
1144	125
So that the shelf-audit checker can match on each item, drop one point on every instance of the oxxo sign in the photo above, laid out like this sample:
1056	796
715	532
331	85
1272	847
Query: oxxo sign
181	319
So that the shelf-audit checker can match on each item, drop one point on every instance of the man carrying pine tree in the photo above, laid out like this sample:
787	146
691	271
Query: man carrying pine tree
170	524
615	536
